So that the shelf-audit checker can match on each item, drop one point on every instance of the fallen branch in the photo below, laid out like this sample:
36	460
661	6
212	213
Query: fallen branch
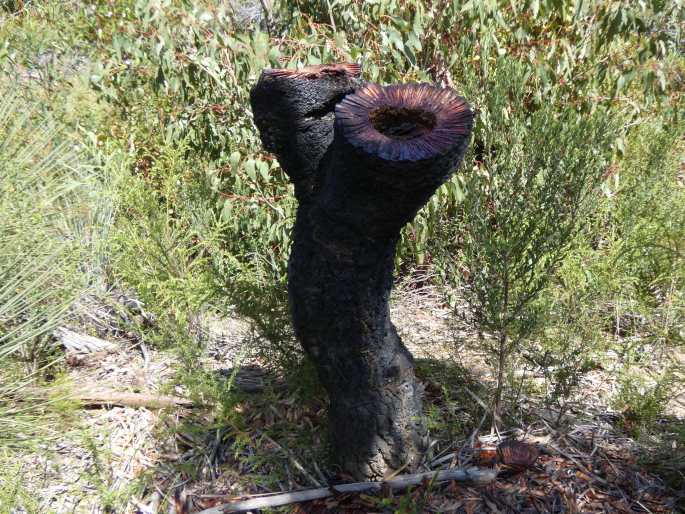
476	475
150	401
81	343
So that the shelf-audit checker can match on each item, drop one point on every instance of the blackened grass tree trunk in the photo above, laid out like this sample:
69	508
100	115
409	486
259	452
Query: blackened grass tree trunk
363	159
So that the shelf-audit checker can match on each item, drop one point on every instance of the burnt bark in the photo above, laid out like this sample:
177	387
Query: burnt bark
363	159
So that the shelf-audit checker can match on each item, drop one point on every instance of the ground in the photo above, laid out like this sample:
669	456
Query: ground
135	459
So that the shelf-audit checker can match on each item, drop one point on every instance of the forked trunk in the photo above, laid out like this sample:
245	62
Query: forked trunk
364	159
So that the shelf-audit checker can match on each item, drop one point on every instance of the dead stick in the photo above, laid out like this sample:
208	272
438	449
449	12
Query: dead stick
81	343
476	475
151	401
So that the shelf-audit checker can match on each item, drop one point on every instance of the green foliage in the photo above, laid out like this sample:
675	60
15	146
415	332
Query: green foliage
524	202
569	341
209	213
53	222
204	216
44	199
155	243
576	53
200	217
54	208
576	44
620	289
31	416
641	401
13	490
646	210
175	75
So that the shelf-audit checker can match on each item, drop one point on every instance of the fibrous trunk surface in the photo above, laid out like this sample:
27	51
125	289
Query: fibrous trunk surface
364	159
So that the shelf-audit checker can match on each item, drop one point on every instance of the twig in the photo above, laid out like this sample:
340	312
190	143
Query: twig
442	456
644	507
267	16
570	457
482	404
294	461
476	475
582	467
397	471
320	474
106	397
330	15
443	459
259	199
457	455
146	355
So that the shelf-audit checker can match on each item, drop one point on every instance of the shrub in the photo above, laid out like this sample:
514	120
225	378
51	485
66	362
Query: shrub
208	211
524	203
619	292
174	72
54	217
646	214
45	198
576	53
641	401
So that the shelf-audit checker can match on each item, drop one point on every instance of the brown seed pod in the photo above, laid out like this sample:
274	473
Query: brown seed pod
410	122
517	455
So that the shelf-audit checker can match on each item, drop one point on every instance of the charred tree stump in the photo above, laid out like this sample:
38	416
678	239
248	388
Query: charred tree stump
363	159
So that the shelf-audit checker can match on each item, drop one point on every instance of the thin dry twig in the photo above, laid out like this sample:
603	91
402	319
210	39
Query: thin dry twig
294	461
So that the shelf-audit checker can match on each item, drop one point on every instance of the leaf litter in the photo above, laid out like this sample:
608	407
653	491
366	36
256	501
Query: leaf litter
180	458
